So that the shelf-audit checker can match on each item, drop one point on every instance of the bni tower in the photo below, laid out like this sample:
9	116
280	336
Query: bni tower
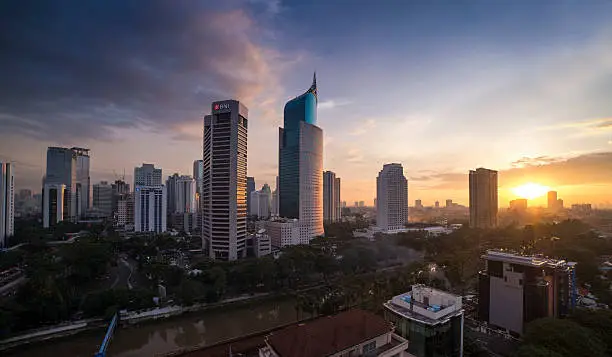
300	184
224	180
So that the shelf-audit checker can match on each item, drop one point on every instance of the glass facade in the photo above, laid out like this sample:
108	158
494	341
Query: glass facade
297	110
441	340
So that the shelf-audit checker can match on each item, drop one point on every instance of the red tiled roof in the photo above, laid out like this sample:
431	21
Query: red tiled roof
328	335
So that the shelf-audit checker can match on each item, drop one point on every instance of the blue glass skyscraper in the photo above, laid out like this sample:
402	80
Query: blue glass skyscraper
301	164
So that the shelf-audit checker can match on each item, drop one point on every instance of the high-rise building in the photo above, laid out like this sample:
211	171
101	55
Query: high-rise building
519	204
7	202
185	195
343	204
356	203
54	204
124	214
449	203
224	187
250	189
147	175
483	198
119	188
25	194
103	198
171	187
62	170
198	172
418	204
83	181
274	208
300	189
150	206
391	198
552	200
361	203
431	319
437	204
517	289
261	202
331	197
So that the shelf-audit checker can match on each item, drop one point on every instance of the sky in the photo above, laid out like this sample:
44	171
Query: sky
442	87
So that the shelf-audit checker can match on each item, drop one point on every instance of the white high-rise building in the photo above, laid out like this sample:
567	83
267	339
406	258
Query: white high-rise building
103	198
7	202
261	202
150	209
331	197
185	195
198	172
391	198
83	180
224	181
54	204
147	175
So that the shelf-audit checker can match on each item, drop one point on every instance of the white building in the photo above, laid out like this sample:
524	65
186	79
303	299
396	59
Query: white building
284	232
185	195
261	202
103	198
262	244
331	197
391	198
224	185
150	209
147	175
54	202
7	202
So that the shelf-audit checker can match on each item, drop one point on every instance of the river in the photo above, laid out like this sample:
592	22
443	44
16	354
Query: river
149	339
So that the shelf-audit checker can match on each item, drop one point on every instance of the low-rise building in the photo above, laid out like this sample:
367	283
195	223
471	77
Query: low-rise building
262	244
431	319
350	333
283	232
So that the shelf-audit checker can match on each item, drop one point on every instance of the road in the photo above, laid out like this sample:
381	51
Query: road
123	273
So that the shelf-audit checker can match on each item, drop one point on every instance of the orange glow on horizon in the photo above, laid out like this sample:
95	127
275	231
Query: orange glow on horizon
530	190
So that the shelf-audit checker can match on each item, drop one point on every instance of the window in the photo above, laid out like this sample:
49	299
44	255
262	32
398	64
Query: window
369	348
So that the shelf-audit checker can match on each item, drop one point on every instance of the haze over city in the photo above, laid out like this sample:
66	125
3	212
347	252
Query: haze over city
441	87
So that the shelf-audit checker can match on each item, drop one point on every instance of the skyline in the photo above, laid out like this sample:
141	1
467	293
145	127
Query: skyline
433	92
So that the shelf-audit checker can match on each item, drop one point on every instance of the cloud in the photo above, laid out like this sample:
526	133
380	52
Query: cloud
119	64
330	104
364	127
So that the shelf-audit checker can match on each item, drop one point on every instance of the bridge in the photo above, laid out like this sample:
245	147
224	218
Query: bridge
109	335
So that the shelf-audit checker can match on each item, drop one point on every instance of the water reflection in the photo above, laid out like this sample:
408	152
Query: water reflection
168	335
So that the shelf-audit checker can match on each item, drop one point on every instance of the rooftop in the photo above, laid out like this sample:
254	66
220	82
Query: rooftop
328	335
426	305
529	260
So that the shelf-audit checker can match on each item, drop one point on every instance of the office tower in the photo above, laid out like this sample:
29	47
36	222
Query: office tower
331	197
449	203
124	213
54	204
356	203
224	190
517	289
431	319
185	195
437	204
198	171
25	194
147	175
119	188
103	198
483	198
519	204
560	204
171	187
150	205
83	180
7	202
61	170
343	204
552	200
392	198
418	204
260	202
361	204
250	188
274	207
300	189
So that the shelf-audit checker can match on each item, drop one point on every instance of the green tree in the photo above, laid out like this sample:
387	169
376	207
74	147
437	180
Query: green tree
563	337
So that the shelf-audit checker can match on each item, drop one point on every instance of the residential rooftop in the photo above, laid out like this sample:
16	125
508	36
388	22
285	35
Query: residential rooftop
329	335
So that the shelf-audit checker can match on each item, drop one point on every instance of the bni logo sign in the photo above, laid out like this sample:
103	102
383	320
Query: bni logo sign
221	106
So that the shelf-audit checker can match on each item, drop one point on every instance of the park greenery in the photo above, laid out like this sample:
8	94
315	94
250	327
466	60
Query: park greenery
333	273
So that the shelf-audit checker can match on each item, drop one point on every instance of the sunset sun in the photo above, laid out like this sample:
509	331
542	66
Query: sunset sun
530	190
